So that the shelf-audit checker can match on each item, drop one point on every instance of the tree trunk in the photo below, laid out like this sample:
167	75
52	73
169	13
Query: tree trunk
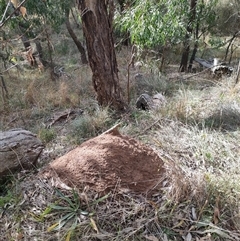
74	37
186	47
195	49
97	27
236	34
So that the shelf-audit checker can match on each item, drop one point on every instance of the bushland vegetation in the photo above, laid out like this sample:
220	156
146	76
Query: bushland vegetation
45	70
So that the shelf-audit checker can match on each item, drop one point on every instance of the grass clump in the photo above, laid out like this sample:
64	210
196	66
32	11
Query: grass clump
87	126
6	198
75	210
47	135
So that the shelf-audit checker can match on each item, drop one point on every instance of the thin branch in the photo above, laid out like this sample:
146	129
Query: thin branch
148	128
5	12
6	70
10	16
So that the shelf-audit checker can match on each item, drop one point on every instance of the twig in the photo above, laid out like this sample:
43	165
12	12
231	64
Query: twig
10	16
113	130
6	70
4	87
147	128
4	14
238	70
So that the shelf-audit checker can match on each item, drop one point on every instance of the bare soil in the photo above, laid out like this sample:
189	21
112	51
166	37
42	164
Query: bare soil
109	162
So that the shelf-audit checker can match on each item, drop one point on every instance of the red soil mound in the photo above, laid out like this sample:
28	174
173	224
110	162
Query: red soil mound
110	161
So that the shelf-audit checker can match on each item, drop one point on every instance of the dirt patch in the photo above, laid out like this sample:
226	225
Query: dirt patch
107	162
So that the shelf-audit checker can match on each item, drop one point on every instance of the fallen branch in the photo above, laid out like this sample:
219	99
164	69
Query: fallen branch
193	75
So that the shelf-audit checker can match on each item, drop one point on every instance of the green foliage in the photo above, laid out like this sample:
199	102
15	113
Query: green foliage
72	209
46	12
40	14
152	23
43	215
228	17
46	135
2	7
8	194
156	23
6	199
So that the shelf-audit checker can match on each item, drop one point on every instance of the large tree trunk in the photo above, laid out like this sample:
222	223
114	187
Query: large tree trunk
186	47
74	37
97	28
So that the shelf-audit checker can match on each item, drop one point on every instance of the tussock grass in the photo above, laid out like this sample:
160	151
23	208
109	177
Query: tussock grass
91	124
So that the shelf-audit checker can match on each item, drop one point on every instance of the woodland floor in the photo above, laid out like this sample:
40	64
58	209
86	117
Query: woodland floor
195	141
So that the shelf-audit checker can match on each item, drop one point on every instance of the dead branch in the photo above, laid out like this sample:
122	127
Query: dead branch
238	70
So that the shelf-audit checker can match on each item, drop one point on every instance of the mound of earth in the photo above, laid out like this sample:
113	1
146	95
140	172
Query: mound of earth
110	161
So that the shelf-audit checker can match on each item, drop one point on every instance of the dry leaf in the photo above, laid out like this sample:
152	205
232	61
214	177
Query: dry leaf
194	215
165	237
188	237
69	235
94	226
52	227
216	213
151	238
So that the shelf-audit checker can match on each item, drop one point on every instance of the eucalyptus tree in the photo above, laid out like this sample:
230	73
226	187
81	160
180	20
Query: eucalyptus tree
42	18
201	18
155	23
97	19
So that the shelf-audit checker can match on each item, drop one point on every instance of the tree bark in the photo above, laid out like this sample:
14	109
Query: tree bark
5	94
97	27
186	47
195	48
74	37
19	149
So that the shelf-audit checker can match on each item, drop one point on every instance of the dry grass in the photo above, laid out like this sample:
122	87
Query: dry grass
196	133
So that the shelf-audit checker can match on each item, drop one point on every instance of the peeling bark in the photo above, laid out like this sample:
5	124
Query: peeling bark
97	28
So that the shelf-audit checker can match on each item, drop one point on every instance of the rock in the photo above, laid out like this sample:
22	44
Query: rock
159	100
108	162
19	149
146	102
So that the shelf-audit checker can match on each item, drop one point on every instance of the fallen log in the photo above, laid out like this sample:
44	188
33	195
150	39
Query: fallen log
19	149
217	69
204	63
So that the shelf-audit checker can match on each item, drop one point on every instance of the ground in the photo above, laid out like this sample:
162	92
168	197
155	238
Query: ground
195	133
